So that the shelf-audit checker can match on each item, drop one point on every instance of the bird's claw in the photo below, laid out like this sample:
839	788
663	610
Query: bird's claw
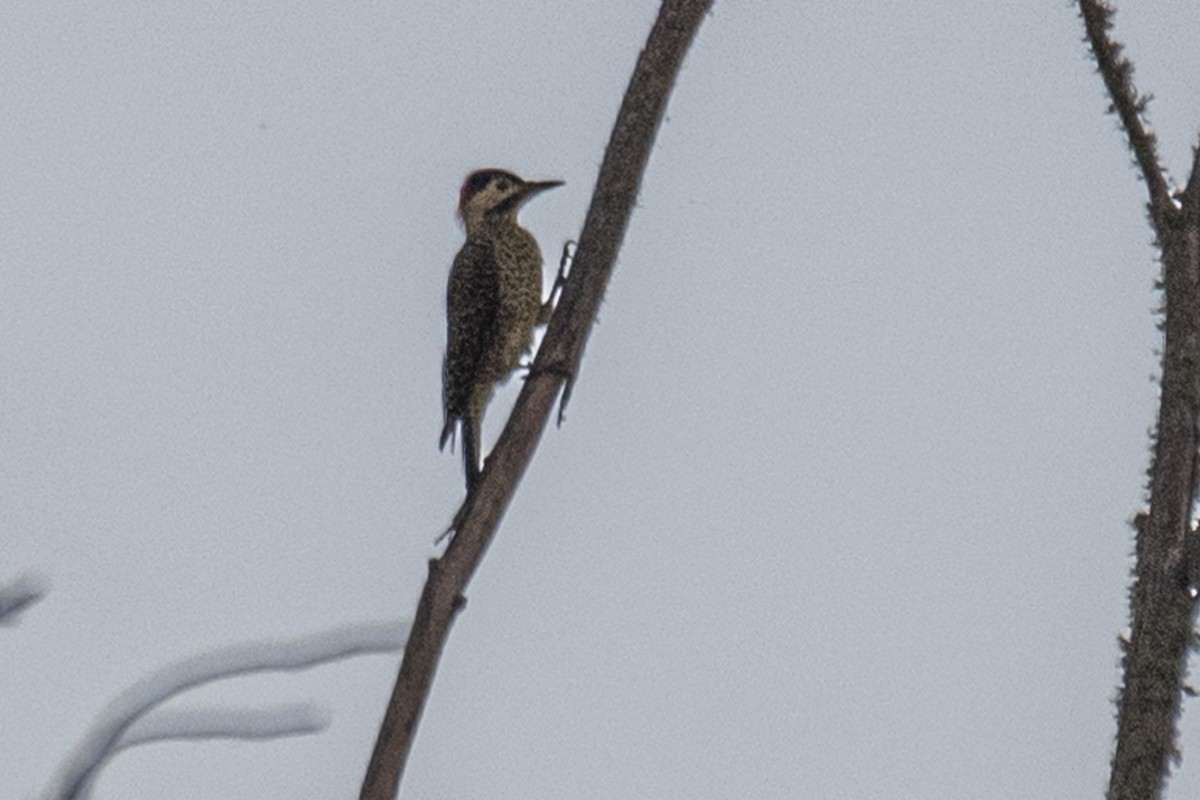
560	280
548	369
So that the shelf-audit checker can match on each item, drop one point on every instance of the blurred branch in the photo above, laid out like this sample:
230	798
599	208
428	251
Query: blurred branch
108	733
1162	602
558	357
18	595
272	722
1127	104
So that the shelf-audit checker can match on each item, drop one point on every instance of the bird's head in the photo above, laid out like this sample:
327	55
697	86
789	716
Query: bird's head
495	194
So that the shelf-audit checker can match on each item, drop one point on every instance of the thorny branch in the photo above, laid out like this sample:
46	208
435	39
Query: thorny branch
1162	601
1127	104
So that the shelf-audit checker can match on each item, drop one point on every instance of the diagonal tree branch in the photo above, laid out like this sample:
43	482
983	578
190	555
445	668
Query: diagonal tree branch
1162	601
1117	71
612	203
18	595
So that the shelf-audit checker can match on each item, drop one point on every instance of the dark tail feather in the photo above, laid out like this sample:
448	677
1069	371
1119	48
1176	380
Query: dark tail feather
470	450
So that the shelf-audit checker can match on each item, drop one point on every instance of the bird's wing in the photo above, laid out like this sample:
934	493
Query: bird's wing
472	299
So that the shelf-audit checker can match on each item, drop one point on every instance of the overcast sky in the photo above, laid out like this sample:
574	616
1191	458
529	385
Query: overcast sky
840	507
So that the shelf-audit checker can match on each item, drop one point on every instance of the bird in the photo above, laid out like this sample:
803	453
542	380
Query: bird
493	303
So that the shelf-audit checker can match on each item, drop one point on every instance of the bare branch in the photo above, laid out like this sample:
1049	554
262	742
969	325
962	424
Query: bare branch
18	595
1162	602
272	722
104	738
1117	72
1155	660
475	524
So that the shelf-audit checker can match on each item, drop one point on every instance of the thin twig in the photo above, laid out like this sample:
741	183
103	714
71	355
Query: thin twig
1129	106
247	724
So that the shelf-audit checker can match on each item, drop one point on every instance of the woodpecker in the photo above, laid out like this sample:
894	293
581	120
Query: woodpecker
493	303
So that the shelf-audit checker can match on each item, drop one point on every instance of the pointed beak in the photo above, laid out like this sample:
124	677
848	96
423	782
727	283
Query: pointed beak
537	187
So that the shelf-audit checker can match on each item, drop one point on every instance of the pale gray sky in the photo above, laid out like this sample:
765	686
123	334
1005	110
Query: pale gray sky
840	506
